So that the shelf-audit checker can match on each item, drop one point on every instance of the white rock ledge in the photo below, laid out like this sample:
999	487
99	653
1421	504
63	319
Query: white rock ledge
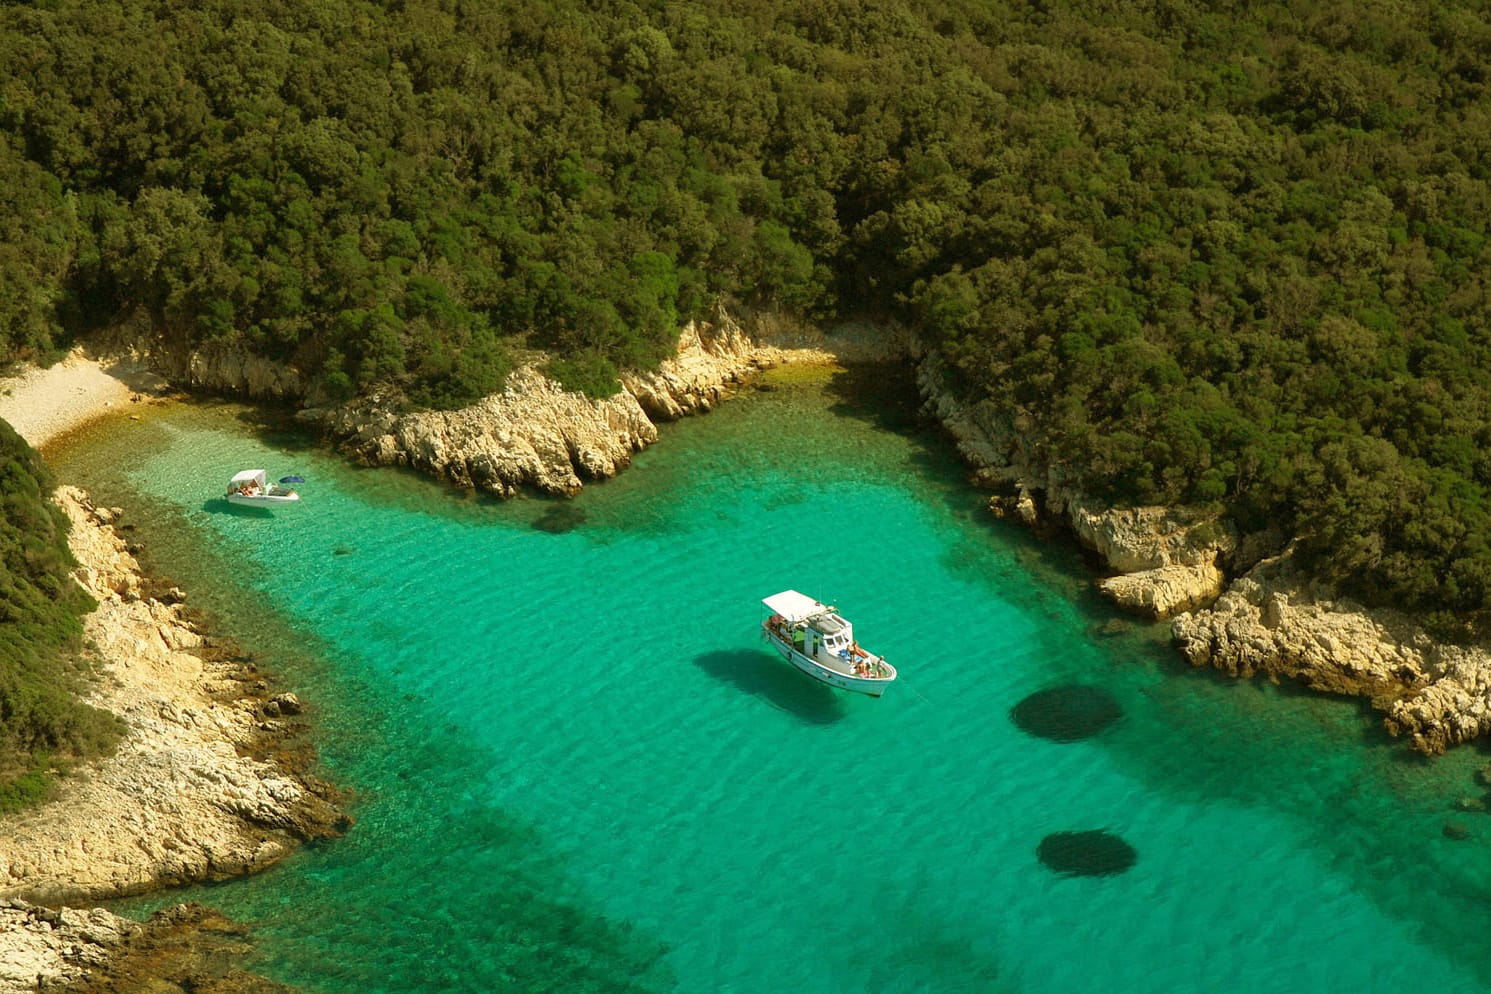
537	435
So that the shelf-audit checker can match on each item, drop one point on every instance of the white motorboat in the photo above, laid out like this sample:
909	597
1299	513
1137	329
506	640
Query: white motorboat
251	488
818	640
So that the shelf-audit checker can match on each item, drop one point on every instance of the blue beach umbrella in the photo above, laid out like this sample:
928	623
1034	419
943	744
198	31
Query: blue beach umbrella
292	479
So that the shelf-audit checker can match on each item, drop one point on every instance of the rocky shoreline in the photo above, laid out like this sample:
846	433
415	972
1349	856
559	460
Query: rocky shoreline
535	435
206	783
1236	603
211	779
192	793
199	787
188	948
1276	622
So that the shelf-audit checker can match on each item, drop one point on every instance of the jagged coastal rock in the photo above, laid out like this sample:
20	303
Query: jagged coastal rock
535	434
47	948
185	948
191	793
1165	560
1275	622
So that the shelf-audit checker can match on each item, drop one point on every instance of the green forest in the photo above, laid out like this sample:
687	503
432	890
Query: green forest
42	724
1231	255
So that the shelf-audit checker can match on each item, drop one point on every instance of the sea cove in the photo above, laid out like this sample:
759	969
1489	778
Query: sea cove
577	768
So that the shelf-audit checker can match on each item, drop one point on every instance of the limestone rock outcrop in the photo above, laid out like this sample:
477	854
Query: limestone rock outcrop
1166	559
190	793
188	947
46	948
710	359
225	369
1136	539
1275	622
1166	590
535	434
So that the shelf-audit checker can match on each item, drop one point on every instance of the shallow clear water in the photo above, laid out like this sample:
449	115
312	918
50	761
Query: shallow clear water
578	768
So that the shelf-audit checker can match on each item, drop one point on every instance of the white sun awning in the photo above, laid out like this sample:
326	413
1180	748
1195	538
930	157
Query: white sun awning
793	606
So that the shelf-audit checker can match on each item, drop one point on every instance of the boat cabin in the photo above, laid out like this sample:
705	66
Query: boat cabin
249	483
831	632
808	624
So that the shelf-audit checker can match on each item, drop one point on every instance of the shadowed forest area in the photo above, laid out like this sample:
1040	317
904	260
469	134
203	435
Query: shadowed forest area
1230	255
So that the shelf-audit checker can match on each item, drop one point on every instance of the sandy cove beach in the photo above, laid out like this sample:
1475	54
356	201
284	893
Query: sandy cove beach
43	405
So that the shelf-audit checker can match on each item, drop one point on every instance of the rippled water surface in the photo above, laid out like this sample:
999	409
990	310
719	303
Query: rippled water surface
578	768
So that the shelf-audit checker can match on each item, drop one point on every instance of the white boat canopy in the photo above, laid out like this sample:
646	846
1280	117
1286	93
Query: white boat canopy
251	476
793	606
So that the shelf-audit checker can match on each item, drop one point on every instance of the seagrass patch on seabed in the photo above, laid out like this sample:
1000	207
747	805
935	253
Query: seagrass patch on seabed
1068	713
1094	853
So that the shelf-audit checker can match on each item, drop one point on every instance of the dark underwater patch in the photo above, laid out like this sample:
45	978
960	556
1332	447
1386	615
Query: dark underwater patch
1086	854
559	519
1066	714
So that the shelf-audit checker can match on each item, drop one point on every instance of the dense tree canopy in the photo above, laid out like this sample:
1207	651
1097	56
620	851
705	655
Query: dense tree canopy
1229	254
41	723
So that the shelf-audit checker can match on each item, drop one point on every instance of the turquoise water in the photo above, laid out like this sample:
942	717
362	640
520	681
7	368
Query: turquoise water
577	767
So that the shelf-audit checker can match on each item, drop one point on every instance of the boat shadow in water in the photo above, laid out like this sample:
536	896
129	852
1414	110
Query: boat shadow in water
221	505
781	686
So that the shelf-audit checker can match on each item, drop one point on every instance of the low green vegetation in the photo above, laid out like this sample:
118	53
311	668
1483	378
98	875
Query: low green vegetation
43	726
1229	255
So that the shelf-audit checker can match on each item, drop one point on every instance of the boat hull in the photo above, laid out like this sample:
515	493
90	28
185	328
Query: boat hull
273	500
871	686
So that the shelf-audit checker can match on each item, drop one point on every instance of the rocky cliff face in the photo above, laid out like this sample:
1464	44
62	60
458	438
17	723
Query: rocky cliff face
222	369
188	795
535	434
991	440
1165	560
